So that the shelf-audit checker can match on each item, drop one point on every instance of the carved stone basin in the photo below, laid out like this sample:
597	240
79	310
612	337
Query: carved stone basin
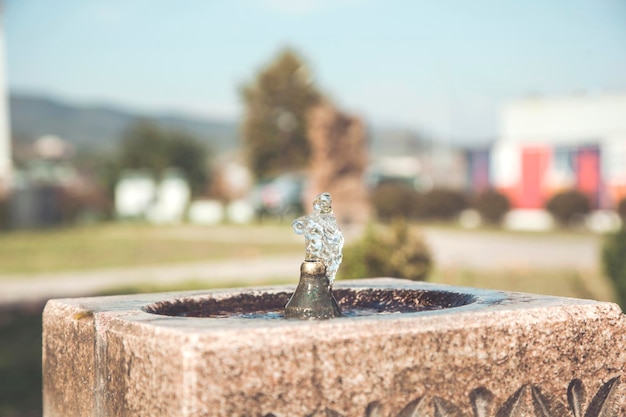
402	349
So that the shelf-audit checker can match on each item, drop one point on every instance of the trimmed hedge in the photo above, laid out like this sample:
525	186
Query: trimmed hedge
567	206
394	200
492	206
441	204
397	200
621	209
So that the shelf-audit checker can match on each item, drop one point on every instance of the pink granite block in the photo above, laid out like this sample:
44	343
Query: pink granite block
470	352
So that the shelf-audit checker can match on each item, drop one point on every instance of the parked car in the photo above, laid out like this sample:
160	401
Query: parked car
280	197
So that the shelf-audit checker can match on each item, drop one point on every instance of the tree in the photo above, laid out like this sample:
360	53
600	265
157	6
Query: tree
274	127
146	146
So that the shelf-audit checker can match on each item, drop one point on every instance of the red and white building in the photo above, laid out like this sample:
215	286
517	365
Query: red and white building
550	144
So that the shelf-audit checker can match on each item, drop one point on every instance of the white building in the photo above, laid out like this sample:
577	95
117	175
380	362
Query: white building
135	193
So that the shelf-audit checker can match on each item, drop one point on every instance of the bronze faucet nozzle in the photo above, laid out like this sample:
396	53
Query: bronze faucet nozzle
313	298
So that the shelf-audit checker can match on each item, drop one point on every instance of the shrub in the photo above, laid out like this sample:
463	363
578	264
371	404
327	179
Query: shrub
441	204
621	209
387	251
614	263
392	200
492	206
566	206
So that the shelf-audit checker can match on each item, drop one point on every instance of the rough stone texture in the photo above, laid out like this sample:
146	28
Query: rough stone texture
69	357
504	355
338	162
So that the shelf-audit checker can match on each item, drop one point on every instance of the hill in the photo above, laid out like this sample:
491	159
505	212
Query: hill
100	127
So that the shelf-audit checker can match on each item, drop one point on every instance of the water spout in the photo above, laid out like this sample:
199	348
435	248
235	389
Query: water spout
313	298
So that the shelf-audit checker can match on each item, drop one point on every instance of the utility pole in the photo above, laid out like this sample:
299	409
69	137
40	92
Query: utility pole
6	165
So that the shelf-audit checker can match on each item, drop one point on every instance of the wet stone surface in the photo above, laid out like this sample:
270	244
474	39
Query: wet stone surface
365	302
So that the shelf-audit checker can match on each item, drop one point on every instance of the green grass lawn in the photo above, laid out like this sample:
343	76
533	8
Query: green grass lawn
558	282
120	245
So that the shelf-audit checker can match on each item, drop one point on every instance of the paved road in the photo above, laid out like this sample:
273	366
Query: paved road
451	249
496	250
73	284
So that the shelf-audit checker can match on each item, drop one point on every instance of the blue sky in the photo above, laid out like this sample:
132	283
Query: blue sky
444	67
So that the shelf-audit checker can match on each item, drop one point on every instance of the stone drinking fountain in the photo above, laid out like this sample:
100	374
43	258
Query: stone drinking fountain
379	347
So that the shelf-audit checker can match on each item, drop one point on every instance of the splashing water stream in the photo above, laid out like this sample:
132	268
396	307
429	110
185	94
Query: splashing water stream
322	237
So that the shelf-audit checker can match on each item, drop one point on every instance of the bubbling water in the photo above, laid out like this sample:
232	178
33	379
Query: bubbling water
277	313
353	303
322	238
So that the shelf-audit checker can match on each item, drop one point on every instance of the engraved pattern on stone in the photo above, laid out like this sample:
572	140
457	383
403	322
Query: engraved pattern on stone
606	403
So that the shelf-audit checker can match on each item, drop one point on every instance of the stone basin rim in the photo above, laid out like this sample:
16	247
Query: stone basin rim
376	300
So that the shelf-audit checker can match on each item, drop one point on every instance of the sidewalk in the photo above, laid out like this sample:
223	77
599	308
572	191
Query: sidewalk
16	288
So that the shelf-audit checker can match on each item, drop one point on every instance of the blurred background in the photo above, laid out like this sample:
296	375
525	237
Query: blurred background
158	145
